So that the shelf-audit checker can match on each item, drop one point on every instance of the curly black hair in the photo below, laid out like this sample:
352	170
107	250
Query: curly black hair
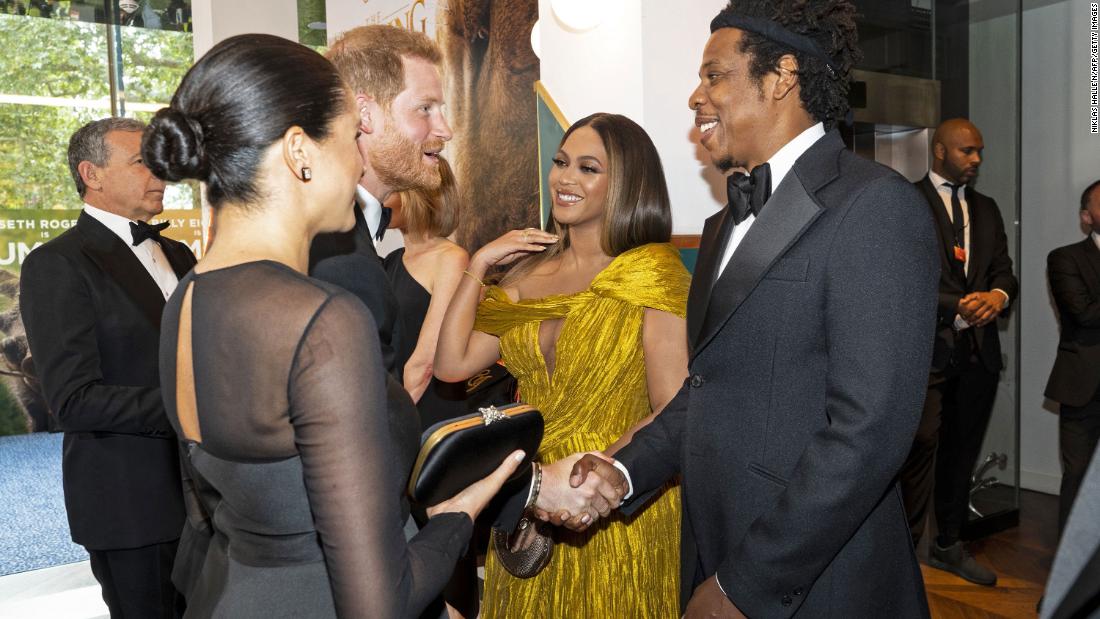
829	23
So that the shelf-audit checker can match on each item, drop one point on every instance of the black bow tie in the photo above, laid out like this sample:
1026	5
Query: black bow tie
383	223
141	230
747	193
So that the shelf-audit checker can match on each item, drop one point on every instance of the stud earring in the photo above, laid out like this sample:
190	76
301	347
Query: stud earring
307	174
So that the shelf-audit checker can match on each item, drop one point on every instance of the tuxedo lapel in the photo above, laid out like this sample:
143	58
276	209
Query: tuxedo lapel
1092	257
179	256
355	241
364	243
943	223
119	263
788	214
716	233
979	244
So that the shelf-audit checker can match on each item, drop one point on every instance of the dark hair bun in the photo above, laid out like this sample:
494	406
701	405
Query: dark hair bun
173	147
236	102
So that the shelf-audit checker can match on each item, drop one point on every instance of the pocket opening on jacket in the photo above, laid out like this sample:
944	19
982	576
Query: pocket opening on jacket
768	475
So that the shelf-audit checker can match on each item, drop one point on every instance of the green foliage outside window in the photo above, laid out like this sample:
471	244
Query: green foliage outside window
57	60
311	12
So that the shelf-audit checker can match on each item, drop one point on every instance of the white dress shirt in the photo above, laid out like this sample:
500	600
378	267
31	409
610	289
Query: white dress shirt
943	188
1096	239
149	253
780	163
372	211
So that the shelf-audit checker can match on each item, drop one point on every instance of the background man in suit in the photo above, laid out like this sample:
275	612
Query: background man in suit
395	74
91	303
808	316
1074	274
976	284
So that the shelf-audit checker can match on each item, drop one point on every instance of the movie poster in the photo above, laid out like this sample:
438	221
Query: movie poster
490	71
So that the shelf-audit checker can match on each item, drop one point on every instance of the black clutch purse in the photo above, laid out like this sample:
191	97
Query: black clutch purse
457	452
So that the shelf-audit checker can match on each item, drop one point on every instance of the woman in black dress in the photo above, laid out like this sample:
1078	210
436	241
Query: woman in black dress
424	275
273	380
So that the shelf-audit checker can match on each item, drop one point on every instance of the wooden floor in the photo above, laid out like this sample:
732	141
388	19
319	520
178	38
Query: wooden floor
1021	557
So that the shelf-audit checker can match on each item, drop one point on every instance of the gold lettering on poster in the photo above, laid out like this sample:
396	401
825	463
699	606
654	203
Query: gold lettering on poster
413	16
410	17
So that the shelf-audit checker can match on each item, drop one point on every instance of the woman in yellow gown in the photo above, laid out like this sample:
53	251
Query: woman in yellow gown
591	323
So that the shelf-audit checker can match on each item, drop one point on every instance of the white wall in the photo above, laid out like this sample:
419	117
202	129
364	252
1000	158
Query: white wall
993	77
674	34
1060	158
598	70
642	62
216	20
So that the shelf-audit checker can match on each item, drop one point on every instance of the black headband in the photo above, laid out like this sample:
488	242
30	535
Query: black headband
774	31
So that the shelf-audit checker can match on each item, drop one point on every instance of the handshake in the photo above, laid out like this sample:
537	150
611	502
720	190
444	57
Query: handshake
578	490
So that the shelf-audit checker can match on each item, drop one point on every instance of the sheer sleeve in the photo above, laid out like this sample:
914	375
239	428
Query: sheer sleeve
338	411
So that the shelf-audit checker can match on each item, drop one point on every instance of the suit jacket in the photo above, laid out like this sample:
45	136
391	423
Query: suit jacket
809	360
349	260
990	267
1074	275
92	314
1073	589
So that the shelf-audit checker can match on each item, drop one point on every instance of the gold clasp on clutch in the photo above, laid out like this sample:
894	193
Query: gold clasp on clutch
489	414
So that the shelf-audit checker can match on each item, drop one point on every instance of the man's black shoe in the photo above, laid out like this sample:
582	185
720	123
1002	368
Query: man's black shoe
957	560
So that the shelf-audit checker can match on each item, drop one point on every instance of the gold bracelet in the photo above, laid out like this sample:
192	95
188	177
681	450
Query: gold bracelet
474	277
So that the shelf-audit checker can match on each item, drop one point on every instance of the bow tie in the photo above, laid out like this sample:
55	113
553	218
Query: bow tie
383	223
141	230
747	193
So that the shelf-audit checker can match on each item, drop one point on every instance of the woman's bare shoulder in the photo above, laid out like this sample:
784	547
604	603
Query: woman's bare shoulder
436	262
452	250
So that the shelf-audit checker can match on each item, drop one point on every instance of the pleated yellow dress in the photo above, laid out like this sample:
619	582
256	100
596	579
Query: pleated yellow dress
621	567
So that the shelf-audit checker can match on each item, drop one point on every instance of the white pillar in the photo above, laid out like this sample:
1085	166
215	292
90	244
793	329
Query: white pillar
217	20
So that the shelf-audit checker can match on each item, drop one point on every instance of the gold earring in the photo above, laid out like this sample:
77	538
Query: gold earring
307	174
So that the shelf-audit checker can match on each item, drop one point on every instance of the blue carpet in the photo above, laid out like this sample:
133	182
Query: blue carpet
34	532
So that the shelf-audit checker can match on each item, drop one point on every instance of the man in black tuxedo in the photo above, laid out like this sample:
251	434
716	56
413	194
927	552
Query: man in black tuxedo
1074	275
976	284
395	75
91	301
808	319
